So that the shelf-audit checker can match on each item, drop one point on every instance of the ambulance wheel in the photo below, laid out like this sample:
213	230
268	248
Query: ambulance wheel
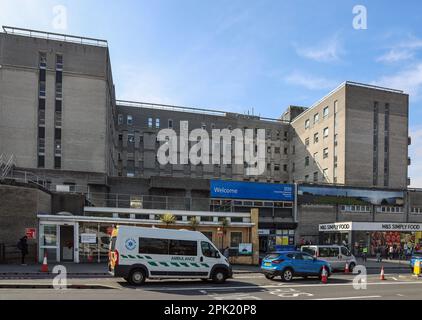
137	277
219	276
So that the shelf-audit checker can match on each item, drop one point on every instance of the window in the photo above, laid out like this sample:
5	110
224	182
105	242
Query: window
316	176
286	151
170	123
276	167
307	142
57	162
43	60
149	122
293	149
208	250
306	161
129	119
131	138
153	246
316	117
41	76
41	161
325	112
316	137
157	123
59	89
276	149
120	119
235	239
315	157
325	133
345	252
59	62
293	167
325	153
183	248
285	167
335	107
307	178
307	124
42	89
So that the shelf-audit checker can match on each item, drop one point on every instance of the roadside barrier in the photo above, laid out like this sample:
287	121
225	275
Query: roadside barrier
44	267
382	276
417	268
346	268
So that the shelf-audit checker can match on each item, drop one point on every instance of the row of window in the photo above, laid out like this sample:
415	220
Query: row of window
325	133
325	114
355	208
416	210
316	174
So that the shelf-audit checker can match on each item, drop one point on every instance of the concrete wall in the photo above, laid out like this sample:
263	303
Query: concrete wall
18	210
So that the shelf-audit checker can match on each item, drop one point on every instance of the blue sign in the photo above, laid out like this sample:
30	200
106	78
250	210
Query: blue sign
251	190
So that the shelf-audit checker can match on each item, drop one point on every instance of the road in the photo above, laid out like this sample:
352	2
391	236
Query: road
242	287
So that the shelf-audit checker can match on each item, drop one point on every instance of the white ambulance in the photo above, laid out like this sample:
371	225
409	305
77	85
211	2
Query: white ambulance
138	253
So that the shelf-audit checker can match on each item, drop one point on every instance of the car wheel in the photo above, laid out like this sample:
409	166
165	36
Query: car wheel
351	266
269	277
287	275
137	277
219	276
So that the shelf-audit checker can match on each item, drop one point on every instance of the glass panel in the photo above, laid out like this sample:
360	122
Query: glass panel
49	235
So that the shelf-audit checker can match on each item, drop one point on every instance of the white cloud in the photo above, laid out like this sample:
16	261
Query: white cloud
395	55
405	50
325	52
309	81
408	80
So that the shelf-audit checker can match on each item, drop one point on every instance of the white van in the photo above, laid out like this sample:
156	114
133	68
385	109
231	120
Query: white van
137	253
336	256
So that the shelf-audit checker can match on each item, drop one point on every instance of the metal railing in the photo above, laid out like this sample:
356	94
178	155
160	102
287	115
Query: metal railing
55	36
7	162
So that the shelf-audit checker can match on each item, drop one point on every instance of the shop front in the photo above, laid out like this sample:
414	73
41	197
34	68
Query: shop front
376	236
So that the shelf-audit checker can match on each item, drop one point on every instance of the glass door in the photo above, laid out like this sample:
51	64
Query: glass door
49	233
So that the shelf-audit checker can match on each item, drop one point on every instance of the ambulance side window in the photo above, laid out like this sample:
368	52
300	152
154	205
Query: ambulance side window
208	250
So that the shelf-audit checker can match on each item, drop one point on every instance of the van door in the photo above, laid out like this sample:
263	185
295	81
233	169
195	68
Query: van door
336	258
208	257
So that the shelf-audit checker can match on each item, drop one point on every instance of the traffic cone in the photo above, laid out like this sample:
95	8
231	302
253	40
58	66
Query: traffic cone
382	277
346	268
324	275
44	267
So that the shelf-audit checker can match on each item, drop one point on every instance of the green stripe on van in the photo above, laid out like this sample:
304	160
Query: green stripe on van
175	264
194	264
184	264
153	263
132	257
164	264
139	256
205	265
123	256
148	257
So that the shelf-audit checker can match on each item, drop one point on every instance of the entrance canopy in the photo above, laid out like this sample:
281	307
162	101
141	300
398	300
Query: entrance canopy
369	226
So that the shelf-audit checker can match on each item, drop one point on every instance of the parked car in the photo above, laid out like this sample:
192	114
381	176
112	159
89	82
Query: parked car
417	255
336	256
288	264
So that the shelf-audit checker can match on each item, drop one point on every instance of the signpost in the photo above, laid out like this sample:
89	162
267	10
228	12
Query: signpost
31	233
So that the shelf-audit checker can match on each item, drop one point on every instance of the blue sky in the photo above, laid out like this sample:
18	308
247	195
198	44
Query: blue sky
238	55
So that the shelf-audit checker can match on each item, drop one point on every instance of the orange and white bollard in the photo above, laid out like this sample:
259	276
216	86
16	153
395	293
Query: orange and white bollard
346	268
324	275
44	267
382	276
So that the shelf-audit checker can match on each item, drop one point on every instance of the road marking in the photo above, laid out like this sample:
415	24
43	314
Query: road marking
394	278
273	286
349	298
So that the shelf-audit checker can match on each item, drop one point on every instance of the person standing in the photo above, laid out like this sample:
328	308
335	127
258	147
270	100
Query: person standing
226	253
390	252
23	247
364	253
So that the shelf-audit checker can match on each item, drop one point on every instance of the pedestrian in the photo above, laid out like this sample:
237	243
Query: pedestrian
23	247
226	253
390	252
364	253
378	251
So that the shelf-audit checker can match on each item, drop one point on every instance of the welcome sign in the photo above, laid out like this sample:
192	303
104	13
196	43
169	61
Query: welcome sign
251	190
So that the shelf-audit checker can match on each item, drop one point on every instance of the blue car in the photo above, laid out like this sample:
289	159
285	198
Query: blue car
288	264
415	256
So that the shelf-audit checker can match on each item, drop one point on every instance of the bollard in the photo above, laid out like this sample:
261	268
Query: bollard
417	268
